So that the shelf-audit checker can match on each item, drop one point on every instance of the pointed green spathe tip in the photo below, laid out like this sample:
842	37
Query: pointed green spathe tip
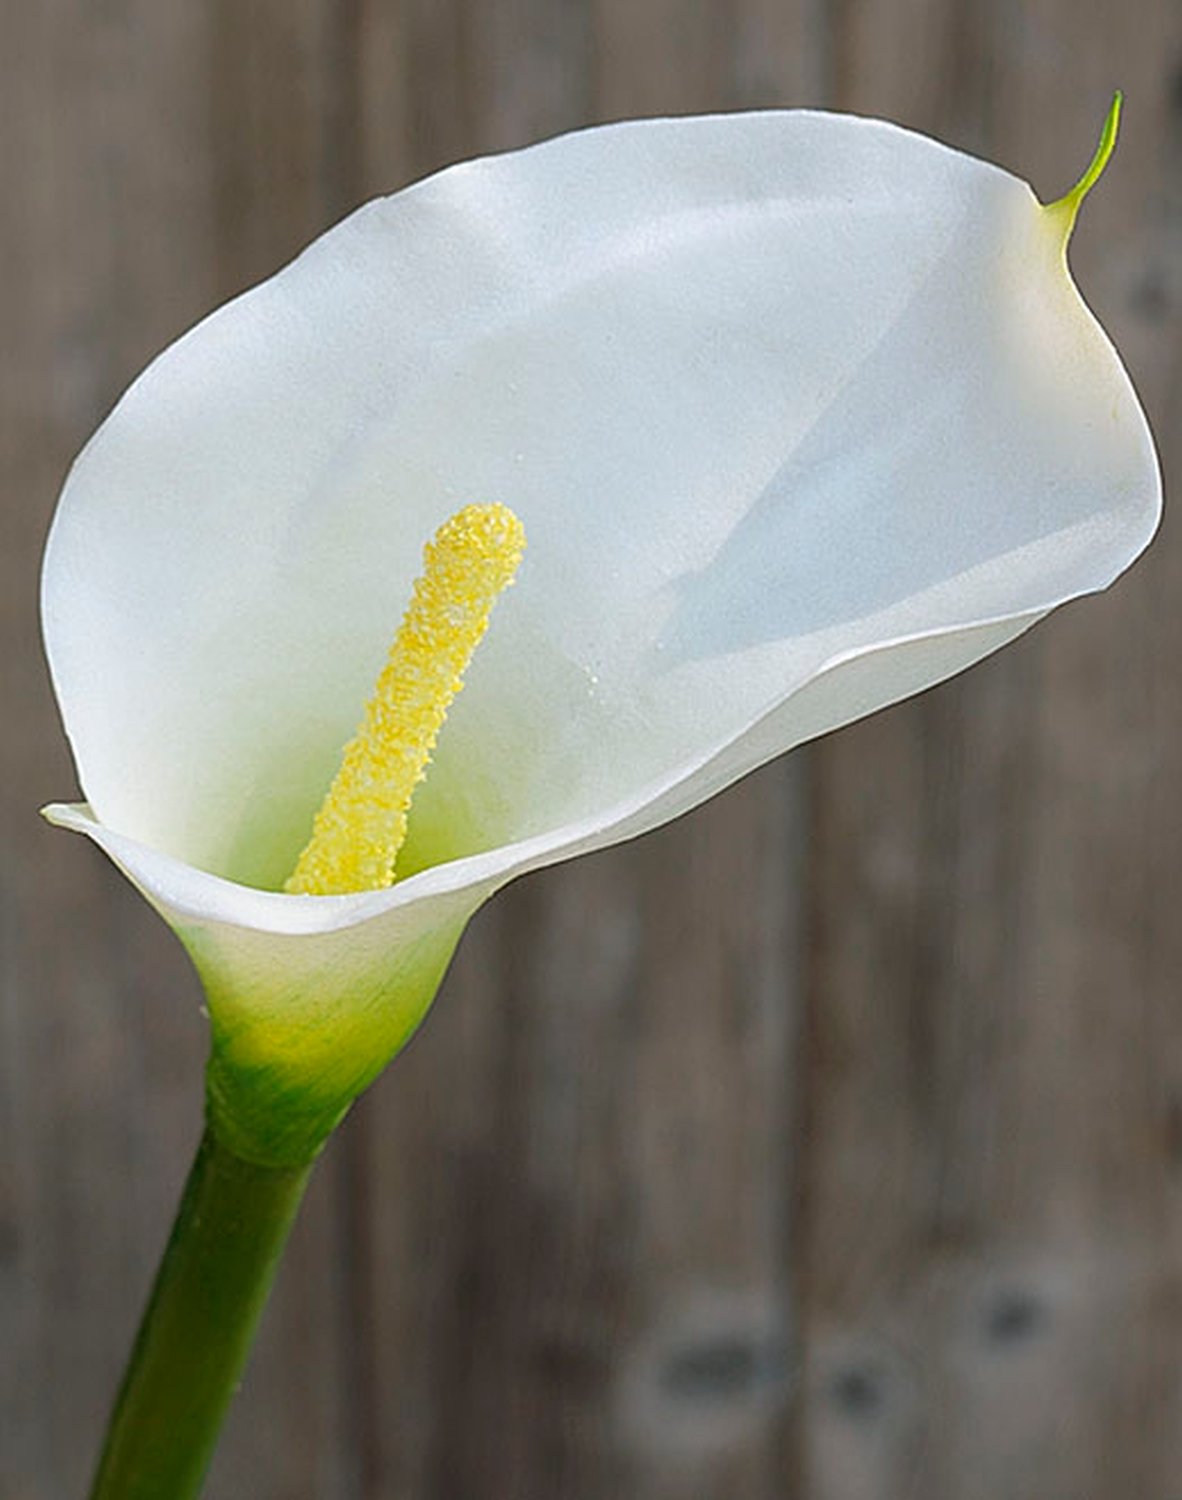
1066	209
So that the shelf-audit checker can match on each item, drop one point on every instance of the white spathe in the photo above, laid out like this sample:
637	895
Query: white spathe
802	414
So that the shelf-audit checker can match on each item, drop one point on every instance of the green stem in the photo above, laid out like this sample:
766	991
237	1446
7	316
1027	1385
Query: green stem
212	1285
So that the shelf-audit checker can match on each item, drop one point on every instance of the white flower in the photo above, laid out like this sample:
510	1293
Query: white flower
802	414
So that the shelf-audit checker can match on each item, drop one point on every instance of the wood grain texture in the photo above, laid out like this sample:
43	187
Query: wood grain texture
825	1144
989	1249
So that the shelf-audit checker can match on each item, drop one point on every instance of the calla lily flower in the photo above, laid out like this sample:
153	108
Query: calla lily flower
801	413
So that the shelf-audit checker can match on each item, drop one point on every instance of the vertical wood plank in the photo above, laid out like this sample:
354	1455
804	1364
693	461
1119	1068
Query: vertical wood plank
988	1242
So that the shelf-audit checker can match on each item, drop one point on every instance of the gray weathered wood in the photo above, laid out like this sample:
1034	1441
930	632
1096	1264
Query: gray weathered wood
825	1144
988	1252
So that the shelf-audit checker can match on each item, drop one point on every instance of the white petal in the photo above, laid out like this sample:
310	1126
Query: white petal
802	413
766	389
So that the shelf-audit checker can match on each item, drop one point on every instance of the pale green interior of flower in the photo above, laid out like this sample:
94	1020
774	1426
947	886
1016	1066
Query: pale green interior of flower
445	820
372	827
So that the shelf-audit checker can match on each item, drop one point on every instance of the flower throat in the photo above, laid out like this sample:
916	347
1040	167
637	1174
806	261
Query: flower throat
361	825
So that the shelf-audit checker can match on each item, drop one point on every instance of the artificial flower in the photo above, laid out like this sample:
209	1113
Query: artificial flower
802	413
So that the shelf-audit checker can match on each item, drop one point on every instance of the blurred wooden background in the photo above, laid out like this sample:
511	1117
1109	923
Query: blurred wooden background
827	1145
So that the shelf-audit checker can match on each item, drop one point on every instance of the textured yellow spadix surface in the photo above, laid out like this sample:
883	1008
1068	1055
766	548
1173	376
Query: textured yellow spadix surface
361	824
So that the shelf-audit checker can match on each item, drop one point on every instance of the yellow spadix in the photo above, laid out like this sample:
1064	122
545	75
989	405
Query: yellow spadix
361	824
